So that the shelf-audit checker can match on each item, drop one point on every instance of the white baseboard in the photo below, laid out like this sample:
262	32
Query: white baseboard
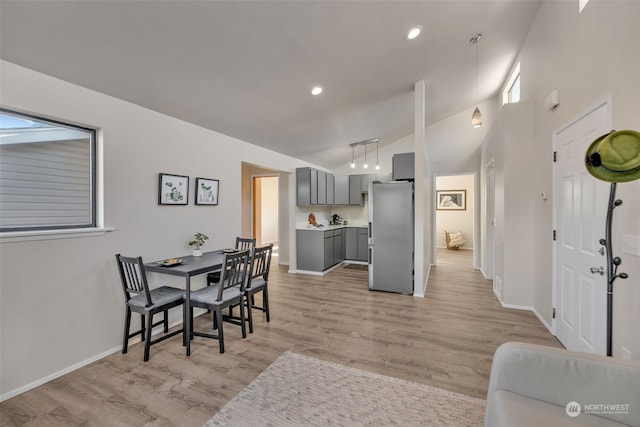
37	383
69	369
544	322
516	307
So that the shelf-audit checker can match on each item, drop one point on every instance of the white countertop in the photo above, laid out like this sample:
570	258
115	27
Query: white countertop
330	227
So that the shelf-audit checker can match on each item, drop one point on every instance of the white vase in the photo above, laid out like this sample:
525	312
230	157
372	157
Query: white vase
197	252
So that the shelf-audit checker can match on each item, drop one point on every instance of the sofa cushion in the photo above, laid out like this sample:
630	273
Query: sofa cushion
510	409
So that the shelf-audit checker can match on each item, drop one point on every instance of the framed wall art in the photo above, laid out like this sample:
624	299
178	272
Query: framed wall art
451	200
173	189
207	191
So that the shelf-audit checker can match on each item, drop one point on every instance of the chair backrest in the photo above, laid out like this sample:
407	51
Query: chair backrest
261	263
243	243
234	271
133	277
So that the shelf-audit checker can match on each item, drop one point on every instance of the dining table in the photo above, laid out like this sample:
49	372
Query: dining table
187	267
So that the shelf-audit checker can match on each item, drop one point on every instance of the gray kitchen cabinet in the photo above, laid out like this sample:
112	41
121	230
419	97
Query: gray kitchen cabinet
322	188
338	256
366	180
341	190
306	186
357	244
351	240
331	187
319	250
328	249
363	244
355	190
403	167
310	250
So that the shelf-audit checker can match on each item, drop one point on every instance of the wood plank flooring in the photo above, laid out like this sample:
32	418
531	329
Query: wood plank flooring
446	340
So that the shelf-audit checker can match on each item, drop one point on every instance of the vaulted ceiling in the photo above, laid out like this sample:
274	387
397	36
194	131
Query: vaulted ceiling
246	68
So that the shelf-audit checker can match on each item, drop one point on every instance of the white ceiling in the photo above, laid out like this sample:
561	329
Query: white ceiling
245	68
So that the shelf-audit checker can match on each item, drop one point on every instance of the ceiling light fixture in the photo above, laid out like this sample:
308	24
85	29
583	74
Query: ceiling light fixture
414	32
365	165
317	90
476	118
365	143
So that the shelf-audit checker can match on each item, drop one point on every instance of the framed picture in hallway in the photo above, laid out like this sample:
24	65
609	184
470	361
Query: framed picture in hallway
207	191
451	200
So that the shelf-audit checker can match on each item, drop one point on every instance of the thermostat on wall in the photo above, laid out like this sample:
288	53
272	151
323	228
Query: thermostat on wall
552	101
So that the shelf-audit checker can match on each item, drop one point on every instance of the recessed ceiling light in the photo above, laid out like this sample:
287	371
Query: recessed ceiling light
317	90
414	32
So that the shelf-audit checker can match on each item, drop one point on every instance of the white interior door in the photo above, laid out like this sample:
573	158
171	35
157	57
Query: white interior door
580	206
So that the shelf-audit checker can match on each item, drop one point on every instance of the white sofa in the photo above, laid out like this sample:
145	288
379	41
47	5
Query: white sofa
532	385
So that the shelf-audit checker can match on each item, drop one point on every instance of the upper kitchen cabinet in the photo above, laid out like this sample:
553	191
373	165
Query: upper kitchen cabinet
314	187
366	180
307	186
355	190
404	167
331	188
348	190
322	188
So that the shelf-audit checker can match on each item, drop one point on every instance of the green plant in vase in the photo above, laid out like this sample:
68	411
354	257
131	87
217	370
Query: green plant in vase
198	241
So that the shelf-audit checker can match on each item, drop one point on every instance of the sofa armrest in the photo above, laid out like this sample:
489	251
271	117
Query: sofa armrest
558	376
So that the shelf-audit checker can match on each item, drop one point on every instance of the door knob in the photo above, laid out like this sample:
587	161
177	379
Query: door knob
595	270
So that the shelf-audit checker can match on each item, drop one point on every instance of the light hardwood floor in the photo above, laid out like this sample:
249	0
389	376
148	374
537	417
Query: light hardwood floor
446	340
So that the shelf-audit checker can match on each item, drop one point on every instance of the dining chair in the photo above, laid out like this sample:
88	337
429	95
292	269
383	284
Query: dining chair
140	299
258	281
242	244
227	292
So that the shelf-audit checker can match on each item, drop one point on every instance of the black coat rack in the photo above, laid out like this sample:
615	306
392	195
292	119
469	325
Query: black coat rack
612	265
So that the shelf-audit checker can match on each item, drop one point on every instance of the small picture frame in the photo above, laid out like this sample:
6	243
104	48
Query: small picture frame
207	191
173	189
451	200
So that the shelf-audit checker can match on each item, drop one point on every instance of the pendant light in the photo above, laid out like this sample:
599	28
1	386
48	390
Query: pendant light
377	164
476	118
353	158
365	157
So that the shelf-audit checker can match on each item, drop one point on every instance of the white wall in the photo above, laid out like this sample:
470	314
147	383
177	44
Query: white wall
456	220
586	56
269	219
61	300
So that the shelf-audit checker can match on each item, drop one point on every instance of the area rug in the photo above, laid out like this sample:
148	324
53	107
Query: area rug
297	390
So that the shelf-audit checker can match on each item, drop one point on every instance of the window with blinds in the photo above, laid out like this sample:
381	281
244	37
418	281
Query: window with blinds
47	174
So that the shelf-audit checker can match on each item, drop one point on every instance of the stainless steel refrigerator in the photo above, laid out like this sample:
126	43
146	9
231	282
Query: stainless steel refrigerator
391	231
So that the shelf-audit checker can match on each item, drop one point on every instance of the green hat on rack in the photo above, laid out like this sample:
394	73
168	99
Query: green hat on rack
615	157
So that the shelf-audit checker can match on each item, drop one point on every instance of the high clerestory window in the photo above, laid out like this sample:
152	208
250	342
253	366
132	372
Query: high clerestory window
511	92
47	174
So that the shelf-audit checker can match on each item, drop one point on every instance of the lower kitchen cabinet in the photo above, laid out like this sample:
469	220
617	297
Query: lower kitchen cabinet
319	250
357	244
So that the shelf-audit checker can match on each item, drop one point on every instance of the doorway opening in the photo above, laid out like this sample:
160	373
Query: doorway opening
264	191
455	218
